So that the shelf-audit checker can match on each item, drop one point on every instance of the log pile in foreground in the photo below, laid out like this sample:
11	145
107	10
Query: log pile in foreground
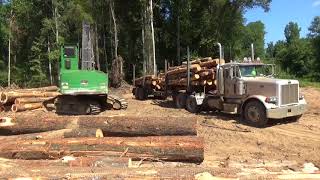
111	126
50	139
26	99
155	138
168	148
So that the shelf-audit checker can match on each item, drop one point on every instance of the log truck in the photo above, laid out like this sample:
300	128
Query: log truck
245	88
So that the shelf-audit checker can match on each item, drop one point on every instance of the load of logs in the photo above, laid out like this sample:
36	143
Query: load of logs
50	139
202	74
26	99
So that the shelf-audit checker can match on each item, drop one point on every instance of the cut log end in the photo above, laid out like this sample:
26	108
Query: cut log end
99	133
3	98
14	108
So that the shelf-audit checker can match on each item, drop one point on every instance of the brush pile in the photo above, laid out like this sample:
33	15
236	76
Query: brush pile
26	99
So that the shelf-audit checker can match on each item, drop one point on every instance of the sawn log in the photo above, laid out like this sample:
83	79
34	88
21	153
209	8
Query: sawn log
168	148
110	126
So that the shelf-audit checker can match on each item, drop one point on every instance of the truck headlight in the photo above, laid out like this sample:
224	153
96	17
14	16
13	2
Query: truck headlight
272	100
301	97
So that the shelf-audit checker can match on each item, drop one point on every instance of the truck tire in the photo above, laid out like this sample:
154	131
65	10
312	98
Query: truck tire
180	100
141	94
135	93
255	114
191	104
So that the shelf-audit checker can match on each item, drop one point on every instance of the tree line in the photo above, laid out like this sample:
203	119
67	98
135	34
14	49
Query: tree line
298	57
140	31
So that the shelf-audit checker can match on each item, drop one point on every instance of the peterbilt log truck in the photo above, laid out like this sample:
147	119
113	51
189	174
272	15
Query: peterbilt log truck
248	89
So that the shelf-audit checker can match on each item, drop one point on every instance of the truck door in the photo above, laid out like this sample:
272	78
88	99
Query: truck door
229	81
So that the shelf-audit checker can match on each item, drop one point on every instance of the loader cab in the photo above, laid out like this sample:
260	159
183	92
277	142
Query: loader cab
69	57
232	77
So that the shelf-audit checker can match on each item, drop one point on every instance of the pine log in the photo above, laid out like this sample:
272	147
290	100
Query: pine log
49	88
2	108
203	82
26	107
31	100
212	63
84	133
193	68
101	168
63	133
111	126
183	82
154	83
207	72
168	148
210	83
7	97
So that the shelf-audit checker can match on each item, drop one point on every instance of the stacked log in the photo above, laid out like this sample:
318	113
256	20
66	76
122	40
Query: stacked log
110	126
202	73
27	99
52	137
149	81
169	148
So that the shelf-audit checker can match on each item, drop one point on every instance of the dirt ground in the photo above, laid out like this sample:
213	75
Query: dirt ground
281	146
233	149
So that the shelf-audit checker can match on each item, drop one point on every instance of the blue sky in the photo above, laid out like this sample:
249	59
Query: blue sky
281	13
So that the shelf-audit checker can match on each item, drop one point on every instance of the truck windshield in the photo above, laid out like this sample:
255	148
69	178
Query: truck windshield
256	70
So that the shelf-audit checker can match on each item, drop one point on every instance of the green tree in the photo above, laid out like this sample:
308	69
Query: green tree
292	32
254	33
314	35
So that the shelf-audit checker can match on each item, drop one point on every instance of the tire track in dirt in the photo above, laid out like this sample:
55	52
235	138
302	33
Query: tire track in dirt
297	131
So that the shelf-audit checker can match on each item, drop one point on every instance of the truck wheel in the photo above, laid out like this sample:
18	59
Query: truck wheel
141	94
135	93
191	104
180	100
255	114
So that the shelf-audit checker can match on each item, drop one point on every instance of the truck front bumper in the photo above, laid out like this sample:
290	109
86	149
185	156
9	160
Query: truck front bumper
287	111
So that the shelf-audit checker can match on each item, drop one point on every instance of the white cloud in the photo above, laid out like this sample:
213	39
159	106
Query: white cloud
316	3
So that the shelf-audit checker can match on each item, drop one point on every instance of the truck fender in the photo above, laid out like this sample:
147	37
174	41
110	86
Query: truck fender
257	98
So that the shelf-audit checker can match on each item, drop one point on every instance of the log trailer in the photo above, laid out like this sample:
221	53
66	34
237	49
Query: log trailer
247	88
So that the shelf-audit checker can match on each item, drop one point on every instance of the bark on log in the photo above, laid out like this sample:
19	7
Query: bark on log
111	126
49	88
7	97
168	148
2	108
25	107
84	133
63	133
99	168
212	63
193	68
31	100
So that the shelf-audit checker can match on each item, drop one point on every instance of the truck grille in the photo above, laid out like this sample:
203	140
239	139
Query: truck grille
289	94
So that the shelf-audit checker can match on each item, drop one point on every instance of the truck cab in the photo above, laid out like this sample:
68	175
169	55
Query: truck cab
251	90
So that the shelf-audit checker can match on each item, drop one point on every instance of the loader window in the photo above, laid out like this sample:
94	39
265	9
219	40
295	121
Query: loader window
69	52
